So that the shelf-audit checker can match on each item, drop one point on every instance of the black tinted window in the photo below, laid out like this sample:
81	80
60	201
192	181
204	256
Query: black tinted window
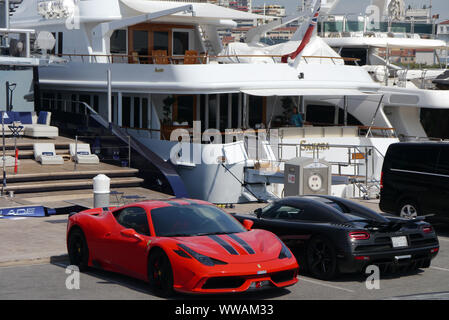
192	220
314	213
443	162
288	213
133	218
421	158
269	212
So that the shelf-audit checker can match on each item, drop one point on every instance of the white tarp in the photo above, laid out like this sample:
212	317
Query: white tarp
238	52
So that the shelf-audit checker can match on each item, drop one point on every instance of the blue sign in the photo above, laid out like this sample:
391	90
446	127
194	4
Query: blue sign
36	211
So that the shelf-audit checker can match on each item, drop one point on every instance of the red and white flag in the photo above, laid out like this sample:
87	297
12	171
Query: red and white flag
313	21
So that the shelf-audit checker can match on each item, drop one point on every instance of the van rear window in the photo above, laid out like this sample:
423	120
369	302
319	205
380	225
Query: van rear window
443	161
421	158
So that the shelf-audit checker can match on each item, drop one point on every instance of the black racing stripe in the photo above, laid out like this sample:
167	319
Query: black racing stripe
224	244
242	242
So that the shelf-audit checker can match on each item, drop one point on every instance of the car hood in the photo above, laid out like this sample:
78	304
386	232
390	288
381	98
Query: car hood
242	247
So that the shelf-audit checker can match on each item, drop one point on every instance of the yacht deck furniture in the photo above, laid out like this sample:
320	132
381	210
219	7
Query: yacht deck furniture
45	153
9	161
81	154
36	126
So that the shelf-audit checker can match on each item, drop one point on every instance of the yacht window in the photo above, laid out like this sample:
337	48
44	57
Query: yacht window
140	44
86	99
160	40
352	121
114	110
75	105
59	101
223	112
48	100
118	42
96	103
320	115
136	113
180	42
144	113
255	111
126	112
185	109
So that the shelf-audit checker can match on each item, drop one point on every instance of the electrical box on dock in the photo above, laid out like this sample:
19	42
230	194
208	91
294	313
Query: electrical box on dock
307	176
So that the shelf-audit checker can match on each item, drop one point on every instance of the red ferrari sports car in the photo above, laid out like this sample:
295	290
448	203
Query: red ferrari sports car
180	244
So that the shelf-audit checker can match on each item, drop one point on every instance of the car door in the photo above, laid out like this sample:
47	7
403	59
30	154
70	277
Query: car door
441	185
130	240
267	219
414	176
281	220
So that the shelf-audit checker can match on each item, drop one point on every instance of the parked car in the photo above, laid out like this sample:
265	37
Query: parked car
415	180
182	245
338	235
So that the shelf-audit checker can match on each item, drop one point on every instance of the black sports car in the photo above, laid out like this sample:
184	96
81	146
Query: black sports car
338	235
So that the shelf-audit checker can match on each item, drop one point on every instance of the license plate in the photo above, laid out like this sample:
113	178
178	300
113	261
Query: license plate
399	242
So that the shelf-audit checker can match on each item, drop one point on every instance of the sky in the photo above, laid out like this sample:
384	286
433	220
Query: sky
357	6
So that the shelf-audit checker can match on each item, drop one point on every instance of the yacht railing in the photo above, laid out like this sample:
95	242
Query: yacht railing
357	156
200	59
22	40
85	120
340	25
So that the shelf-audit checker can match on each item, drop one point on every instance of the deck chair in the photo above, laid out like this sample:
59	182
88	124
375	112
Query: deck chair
81	154
135	57
45	153
9	161
160	57
191	57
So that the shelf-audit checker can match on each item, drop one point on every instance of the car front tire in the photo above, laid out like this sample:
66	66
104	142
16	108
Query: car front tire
160	273
78	250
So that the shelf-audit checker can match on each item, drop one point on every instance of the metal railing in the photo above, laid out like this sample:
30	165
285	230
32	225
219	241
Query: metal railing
179	59
105	150
357	156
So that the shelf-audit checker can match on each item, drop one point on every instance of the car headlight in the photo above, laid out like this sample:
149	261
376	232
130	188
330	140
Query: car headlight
285	252
207	261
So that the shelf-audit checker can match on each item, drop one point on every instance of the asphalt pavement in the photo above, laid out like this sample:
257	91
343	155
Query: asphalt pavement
33	265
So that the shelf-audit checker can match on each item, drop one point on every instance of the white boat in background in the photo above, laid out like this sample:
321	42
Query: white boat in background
158	70
373	42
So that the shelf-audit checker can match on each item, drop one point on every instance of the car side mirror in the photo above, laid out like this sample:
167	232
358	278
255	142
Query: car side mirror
132	234
258	212
248	224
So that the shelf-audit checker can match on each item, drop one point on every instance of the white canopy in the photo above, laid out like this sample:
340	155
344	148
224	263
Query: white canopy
392	43
202	10
307	92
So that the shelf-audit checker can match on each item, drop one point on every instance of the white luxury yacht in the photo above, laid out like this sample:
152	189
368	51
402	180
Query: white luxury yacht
384	39
157	71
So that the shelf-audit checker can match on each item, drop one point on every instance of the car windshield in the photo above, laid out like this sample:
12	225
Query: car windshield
193	220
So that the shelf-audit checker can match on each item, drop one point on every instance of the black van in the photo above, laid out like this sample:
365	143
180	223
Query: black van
415	179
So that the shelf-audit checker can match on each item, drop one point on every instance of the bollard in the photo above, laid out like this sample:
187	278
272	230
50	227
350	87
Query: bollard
101	191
